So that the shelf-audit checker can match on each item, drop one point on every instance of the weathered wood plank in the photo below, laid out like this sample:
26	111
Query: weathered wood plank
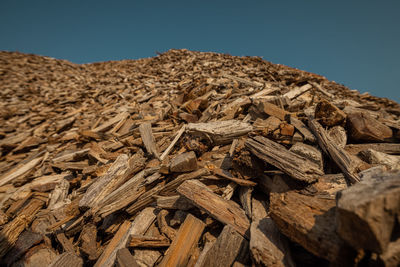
277	155
338	155
219	132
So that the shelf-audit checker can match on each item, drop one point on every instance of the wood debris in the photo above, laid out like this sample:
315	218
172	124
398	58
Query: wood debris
193	159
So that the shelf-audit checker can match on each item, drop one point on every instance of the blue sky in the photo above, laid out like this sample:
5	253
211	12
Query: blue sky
355	43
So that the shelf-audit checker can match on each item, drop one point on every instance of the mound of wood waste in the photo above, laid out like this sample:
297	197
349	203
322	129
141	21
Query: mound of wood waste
193	159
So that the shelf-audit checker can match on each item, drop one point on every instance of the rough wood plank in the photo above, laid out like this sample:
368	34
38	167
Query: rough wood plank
272	110
225	211
148	139
226	249
277	155
186	239
268	246
363	127
120	239
338	155
307	220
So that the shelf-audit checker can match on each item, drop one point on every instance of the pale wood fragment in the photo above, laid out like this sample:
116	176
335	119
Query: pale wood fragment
302	128
227	212
19	171
292	94
148	139
186	239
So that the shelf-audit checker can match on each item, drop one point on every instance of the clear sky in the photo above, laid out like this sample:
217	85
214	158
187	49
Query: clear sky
353	42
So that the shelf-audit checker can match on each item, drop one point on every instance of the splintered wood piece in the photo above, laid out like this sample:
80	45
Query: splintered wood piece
302	128
268	246
148	197
171	146
338	155
119	240
292	94
219	132
125	259
111	122
186	239
225	211
392	149
368	211
67	259
309	152
139	226
58	195
148	241
272	110
185	162
103	185
125	194
148	139
277	155
307	220
19	170
229	245
245	199
11	231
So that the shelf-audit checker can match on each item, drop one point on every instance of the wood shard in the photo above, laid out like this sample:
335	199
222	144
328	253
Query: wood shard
227	212
148	139
186	239
277	155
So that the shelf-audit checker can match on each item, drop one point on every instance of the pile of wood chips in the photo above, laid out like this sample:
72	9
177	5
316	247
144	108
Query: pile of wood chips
193	159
